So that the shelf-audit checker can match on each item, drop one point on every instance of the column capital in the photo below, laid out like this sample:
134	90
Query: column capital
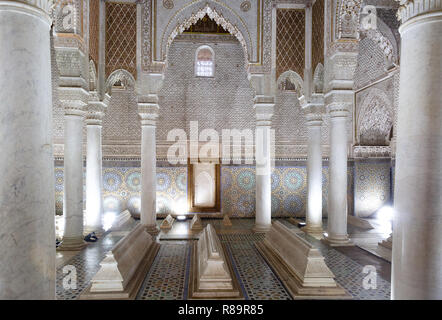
73	107
313	109
74	100
338	110
409	9
96	108
315	101
339	96
342	63
148	109
42	7
264	109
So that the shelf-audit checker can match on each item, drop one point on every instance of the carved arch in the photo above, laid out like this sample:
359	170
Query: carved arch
121	77
375	119
293	78
318	79
217	11
92	76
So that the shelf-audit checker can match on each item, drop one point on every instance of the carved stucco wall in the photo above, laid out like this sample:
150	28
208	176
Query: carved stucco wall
376	112
121	124
288	122
222	102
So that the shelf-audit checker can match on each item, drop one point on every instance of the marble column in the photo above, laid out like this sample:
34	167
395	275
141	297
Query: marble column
417	228
148	110
264	106
94	180
337	190
314	173
27	194
73	175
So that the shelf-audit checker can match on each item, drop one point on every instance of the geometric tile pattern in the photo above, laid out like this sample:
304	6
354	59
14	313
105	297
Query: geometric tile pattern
349	273
224	101
371	63
372	186
94	27
317	33
121	122
121	37
168	276
87	264
290	41
289	191
256	278
122	189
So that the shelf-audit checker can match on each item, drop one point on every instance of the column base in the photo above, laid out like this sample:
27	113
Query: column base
315	231
153	229
338	241
72	244
259	228
99	231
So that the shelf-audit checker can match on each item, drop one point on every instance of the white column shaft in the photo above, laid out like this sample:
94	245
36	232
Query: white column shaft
94	202
73	182
337	193
417	232
148	176
263	178
27	199
314	176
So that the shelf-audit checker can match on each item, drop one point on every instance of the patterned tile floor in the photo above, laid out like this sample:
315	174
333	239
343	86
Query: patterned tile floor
169	275
349	273
85	265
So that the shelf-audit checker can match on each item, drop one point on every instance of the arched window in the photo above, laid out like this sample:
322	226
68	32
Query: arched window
204	62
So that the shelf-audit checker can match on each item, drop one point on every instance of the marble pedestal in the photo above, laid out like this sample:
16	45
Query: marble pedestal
212	276
299	265
123	270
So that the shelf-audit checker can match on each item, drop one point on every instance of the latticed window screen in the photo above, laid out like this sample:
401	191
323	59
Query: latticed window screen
204	63
94	25
121	37
290	41
318	33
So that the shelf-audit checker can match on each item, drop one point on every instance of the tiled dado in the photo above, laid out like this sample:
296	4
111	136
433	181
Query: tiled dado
369	188
122	188
373	185
289	190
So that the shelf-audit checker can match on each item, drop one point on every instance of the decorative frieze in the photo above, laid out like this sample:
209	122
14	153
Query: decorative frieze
411	8
372	151
45	5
